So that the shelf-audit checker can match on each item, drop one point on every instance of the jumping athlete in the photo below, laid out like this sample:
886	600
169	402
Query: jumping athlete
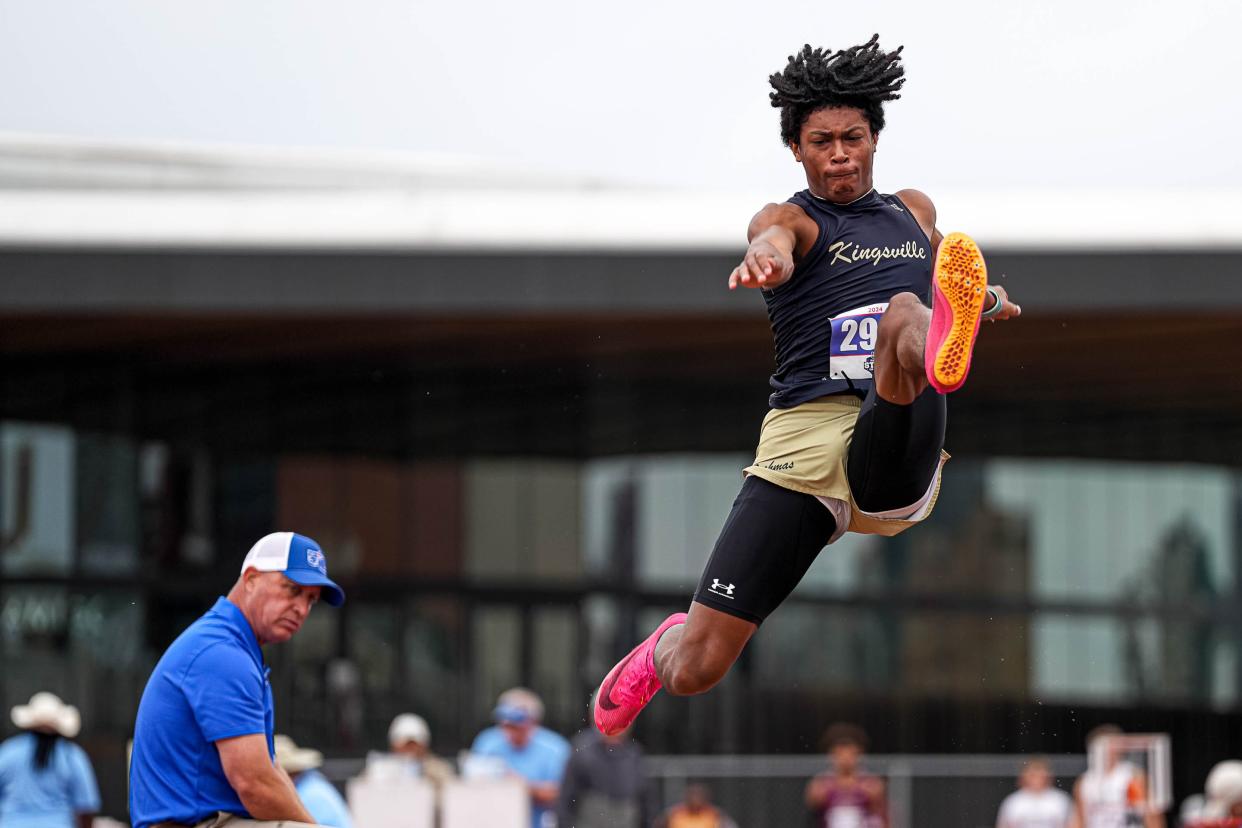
853	440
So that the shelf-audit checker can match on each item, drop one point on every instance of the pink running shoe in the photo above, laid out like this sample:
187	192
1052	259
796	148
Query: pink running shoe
959	287
628	687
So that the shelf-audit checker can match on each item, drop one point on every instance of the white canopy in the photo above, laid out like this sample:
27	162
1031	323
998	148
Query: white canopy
65	192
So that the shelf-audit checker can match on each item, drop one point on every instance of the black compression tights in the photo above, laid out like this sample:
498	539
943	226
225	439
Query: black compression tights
895	450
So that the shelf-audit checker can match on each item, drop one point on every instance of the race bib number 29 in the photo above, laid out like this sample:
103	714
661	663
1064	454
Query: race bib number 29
853	342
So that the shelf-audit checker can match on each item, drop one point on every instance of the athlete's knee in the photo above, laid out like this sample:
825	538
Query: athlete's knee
692	672
704	653
904	310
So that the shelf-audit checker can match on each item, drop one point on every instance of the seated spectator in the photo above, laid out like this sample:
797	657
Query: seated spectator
604	786
1221	805
1114	791
527	749
695	811
1036	803
844	795
409	736
319	796
46	779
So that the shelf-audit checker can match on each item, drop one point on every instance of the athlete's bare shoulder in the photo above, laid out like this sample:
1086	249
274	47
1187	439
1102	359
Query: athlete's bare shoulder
922	208
791	217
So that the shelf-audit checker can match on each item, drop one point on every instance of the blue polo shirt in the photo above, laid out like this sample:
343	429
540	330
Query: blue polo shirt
540	760
210	685
322	800
47	797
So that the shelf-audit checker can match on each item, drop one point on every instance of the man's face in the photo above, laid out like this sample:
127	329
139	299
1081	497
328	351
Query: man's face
1035	777
276	606
518	733
409	748
837	148
845	757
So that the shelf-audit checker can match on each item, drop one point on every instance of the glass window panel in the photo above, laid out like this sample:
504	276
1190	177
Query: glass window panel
1110	530
245	505
373	641
496	649
107	504
37	527
555	650
683	501
1225	666
107	657
1090	658
554	520
609	516
301	669
34	622
498	537
433	680
177	493
824	647
522	519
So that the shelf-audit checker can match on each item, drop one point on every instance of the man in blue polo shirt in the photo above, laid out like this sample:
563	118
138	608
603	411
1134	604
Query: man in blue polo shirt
526	748
203	750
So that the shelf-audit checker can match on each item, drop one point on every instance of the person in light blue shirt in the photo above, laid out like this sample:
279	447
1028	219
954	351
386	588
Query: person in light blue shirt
46	781
321	798
528	749
203	736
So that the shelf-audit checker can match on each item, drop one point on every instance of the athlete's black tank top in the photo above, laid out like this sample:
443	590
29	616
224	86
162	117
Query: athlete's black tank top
867	251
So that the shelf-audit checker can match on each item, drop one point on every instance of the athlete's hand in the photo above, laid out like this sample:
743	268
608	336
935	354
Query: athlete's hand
1009	308
764	266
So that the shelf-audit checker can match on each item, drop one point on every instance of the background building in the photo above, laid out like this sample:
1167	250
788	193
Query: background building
515	412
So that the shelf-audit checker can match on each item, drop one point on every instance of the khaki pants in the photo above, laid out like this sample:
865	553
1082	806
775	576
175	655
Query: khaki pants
222	819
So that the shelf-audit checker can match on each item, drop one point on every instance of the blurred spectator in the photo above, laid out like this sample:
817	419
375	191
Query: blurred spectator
409	736
1036	804
604	785
695	811
321	798
527	749
1114	794
1221	803
46	781
843	797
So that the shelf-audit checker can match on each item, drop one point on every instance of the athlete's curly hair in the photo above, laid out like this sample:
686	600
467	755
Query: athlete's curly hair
860	76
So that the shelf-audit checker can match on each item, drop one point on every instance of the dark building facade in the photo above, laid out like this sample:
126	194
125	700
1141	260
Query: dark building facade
518	462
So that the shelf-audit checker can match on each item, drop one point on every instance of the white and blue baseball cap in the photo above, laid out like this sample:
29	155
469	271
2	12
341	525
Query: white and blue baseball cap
300	560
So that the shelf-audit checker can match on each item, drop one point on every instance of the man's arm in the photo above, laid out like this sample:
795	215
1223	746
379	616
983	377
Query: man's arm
265	790
924	213
1078	819
1151	817
816	793
779	235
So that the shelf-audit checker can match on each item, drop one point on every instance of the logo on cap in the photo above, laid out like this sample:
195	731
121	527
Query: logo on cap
315	558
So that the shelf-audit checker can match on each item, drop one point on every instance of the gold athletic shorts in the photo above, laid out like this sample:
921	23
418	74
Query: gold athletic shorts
805	449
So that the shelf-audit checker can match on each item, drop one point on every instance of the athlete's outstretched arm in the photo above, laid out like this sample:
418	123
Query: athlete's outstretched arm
779	235
925	214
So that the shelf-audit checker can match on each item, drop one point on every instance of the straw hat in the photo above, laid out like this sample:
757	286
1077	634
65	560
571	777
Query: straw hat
295	759
47	711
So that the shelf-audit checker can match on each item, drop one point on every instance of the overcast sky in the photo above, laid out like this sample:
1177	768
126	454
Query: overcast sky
1119	94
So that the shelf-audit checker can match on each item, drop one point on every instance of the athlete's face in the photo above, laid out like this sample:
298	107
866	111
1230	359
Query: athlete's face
836	149
276	607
